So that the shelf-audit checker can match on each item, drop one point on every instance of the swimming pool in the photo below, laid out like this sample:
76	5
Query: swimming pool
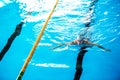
66	22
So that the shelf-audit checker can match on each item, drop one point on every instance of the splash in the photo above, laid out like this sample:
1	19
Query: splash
5	2
53	65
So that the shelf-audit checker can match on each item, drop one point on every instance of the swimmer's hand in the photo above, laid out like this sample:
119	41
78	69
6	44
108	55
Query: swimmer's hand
59	45
107	49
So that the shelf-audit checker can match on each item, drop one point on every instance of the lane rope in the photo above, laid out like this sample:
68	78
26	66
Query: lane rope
36	43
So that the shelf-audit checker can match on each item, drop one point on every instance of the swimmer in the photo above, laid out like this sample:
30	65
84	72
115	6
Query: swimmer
80	41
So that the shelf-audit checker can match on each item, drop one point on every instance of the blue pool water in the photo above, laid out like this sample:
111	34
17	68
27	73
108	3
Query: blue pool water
66	22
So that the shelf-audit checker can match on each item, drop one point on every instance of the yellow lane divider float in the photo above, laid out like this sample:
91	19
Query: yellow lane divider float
36	43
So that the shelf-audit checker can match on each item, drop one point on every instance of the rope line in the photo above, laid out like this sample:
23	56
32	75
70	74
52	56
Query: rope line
36	43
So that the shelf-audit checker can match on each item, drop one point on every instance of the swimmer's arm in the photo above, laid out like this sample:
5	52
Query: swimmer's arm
59	45
98	45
